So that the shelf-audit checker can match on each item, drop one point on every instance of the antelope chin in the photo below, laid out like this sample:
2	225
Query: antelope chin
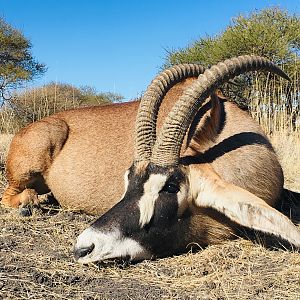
93	245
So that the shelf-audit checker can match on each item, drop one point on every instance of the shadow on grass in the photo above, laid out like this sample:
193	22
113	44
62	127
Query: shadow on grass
290	205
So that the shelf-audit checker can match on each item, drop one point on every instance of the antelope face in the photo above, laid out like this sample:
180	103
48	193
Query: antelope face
144	223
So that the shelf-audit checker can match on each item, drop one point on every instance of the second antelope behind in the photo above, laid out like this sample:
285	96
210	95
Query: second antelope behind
210	171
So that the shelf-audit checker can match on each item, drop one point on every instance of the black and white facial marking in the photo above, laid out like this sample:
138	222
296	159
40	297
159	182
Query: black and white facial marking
144	223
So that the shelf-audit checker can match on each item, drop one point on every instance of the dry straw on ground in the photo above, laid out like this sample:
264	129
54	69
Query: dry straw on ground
36	263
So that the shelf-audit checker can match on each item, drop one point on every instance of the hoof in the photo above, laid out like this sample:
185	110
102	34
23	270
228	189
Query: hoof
25	211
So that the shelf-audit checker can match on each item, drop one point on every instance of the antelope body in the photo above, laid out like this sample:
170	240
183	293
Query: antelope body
79	155
196	187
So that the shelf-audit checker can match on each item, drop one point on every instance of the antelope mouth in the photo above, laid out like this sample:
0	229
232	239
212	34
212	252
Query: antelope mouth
93	246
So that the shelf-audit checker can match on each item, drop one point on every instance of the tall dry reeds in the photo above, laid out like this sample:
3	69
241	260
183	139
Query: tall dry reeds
275	103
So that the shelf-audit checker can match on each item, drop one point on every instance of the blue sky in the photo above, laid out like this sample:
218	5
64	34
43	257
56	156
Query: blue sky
118	46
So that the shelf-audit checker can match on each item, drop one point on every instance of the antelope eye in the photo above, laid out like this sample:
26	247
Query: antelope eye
171	188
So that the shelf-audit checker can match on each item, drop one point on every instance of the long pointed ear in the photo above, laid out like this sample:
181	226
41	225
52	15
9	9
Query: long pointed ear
206	123
240	205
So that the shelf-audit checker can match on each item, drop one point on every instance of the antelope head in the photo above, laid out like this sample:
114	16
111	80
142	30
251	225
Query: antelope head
162	192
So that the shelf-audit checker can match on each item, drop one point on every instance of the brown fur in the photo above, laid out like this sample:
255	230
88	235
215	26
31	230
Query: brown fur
237	149
80	155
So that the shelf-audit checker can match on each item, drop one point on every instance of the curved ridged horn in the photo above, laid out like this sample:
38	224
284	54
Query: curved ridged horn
166	150
145	127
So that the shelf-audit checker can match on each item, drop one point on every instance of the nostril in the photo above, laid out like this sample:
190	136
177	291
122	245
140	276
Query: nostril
82	252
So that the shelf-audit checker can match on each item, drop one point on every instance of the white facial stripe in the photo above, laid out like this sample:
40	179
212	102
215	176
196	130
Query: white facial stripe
151	192
109	245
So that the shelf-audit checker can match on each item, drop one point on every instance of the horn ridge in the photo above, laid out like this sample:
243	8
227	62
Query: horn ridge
166	150
145	128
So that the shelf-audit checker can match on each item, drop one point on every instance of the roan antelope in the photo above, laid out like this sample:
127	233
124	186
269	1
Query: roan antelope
226	176
81	155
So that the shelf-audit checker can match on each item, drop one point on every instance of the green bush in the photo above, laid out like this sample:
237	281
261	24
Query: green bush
17	64
272	33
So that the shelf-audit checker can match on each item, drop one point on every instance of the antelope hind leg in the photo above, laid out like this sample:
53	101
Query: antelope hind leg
31	153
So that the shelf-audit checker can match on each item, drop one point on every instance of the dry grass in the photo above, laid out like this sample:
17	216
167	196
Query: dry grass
36	263
5	140
288	149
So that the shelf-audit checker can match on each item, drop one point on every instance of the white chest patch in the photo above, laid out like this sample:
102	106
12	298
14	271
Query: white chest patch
151	192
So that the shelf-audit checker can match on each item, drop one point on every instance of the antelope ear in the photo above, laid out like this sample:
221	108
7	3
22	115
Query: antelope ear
244	208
